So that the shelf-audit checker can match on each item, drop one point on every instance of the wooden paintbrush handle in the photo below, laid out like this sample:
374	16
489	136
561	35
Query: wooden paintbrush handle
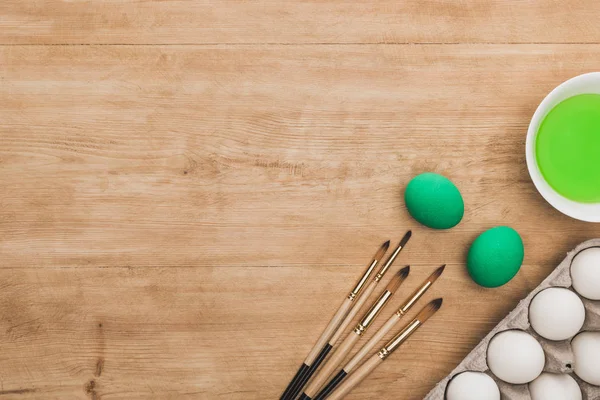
350	316
374	341
332	364
355	378
331	328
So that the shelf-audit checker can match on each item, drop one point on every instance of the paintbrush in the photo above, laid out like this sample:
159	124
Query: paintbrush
368	366
321	348
352	338
380	334
352	313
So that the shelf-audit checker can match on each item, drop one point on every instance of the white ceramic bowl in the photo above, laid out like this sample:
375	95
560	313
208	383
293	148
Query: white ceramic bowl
582	84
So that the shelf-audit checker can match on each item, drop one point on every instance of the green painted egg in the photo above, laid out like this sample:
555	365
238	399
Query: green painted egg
434	201
495	256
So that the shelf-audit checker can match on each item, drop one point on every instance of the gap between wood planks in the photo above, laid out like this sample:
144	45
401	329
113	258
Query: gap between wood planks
297	44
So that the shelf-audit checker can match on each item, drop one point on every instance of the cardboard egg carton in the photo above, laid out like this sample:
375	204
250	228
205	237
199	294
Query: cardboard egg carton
559	355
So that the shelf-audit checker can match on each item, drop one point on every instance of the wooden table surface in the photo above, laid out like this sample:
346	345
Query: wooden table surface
188	188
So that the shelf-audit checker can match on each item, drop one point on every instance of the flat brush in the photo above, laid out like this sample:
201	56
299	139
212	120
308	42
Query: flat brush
380	334
348	344
368	366
321	348
359	303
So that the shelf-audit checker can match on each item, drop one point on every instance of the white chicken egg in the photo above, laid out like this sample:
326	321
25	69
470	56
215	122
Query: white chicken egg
556	313
554	387
586	349
585	272
515	357
472	386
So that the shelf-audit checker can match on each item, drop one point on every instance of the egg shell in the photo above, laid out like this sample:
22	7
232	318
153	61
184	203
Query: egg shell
556	313
515	357
554	387
559	355
434	201
586	348
495	256
585	272
472	386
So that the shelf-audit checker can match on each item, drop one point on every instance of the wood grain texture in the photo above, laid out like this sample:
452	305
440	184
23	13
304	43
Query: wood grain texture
275	156
182	221
210	333
301	21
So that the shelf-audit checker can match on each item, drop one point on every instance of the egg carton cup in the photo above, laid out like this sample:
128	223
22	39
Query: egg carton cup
559	354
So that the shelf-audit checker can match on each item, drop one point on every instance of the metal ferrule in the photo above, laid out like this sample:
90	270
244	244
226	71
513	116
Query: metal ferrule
362	281
387	264
370	316
360	329
399	339
414	298
383	353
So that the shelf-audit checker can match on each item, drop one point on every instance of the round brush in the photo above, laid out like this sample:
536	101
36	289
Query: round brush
352	338
349	316
380	334
322	347
368	366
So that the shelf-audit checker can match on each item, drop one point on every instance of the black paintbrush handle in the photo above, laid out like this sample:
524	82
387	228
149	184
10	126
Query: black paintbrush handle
288	390
301	382
304	397
336	380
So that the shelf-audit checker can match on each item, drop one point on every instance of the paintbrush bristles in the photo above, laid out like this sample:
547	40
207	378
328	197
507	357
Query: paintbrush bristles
436	274
382	250
395	253
404	240
404	272
429	310
397	279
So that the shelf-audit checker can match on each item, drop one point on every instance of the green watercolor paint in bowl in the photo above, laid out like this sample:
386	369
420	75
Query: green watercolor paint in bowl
568	148
563	147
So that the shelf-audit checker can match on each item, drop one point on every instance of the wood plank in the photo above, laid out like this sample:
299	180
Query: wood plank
268	156
211	333
303	21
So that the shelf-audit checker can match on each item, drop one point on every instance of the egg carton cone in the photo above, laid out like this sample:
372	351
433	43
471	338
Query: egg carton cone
559	354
